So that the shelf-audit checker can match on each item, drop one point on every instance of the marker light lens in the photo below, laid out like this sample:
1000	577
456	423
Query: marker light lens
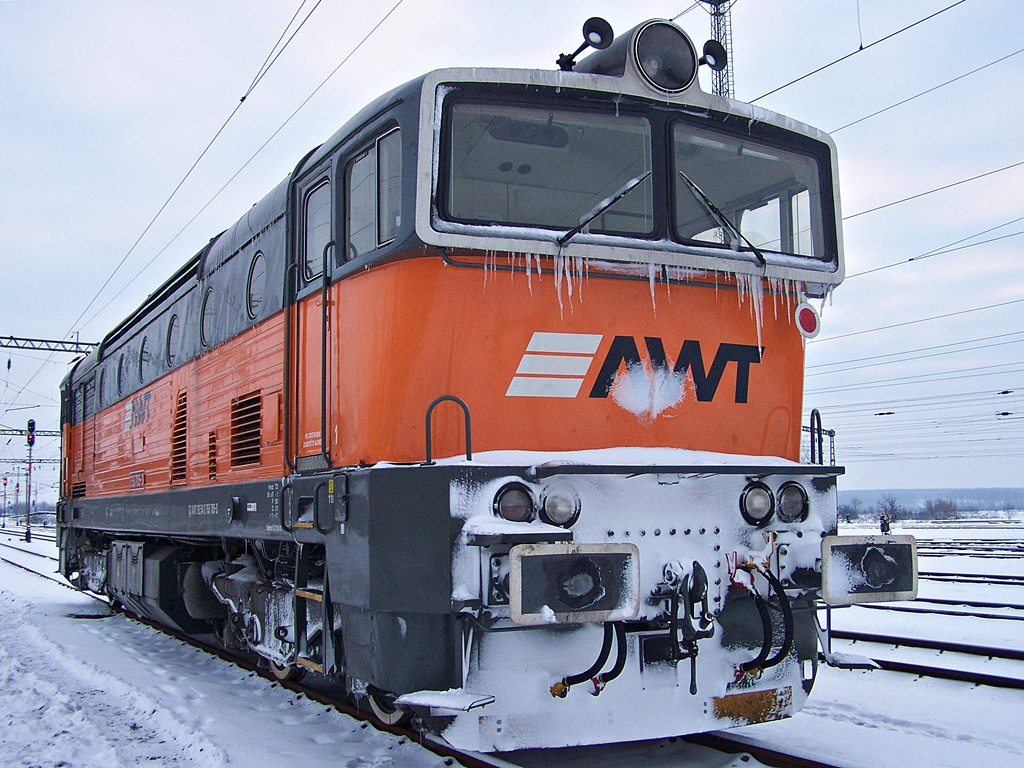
514	504
757	504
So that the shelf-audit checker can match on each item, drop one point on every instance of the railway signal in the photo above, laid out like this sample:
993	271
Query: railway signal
30	436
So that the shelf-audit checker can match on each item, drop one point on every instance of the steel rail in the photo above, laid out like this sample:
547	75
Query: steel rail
938	612
968	603
717	740
29	552
971	578
937	645
976	678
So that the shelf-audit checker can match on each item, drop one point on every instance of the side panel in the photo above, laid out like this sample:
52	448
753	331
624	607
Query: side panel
233	425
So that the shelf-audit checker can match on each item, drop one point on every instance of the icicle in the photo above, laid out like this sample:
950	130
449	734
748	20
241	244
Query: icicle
753	286
651	281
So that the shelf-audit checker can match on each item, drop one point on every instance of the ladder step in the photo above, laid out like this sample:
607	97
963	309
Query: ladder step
302	525
316	595
302	661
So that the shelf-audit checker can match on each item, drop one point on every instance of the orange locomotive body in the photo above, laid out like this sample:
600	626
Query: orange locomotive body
507	373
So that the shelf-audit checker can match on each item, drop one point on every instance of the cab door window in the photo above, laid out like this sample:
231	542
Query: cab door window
317	233
374	185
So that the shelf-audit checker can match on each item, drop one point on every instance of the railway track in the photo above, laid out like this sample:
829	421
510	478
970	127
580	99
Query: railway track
972	578
943	612
597	756
40	535
946	673
54	558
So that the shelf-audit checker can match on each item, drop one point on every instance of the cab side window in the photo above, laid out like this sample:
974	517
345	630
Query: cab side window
317	222
374	184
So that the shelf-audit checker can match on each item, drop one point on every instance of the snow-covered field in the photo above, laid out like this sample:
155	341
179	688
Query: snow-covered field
82	687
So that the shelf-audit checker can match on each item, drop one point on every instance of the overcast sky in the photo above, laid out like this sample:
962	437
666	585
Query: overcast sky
104	107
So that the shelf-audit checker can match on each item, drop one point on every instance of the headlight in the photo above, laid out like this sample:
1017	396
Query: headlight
792	503
514	503
560	508
757	504
665	57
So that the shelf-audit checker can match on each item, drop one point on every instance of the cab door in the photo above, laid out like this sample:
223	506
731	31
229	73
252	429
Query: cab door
311	365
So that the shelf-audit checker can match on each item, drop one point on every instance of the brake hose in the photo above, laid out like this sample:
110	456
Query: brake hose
620	656
766	636
787	621
762	660
561	688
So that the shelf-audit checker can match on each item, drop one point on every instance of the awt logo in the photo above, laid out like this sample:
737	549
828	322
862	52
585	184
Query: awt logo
556	365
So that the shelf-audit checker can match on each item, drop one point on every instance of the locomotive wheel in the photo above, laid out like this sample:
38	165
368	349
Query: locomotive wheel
287	673
383	707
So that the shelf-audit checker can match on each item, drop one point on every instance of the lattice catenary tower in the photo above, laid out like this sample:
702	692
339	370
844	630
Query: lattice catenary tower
721	30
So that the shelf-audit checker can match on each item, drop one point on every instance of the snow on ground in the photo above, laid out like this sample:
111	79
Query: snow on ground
82	687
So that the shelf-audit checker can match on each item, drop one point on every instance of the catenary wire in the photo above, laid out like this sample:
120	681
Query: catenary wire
948	248
854	53
263	70
932	191
247	162
926	92
915	322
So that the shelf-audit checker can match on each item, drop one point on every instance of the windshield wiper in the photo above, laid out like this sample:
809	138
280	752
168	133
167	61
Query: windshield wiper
723	220
603	206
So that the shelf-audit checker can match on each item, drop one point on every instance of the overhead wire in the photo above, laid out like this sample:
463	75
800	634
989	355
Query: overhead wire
955	374
926	92
859	50
899	359
916	322
936	189
251	158
948	248
264	68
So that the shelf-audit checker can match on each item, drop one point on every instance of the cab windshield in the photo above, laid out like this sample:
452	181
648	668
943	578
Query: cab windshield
771	196
647	172
549	168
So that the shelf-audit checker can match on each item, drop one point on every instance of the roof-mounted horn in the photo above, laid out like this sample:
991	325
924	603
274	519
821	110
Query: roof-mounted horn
597	33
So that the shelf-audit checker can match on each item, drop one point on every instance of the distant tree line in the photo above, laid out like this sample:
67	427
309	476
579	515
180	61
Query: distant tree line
932	509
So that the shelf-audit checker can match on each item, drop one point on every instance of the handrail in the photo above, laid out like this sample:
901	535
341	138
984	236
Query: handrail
465	410
817	438
324	383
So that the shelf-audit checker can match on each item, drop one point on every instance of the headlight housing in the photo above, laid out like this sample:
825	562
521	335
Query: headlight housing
793	505
514	503
561	508
757	504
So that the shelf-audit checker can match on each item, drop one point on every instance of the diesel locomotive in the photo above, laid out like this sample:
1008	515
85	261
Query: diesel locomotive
491	412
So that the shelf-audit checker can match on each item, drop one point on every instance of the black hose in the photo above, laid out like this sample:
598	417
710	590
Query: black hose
787	621
766	637
620	656
602	658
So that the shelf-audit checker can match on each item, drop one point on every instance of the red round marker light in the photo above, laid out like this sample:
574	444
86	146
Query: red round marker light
807	320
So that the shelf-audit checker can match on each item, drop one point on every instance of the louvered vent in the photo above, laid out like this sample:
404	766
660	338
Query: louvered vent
246	417
78	491
213	456
179	438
